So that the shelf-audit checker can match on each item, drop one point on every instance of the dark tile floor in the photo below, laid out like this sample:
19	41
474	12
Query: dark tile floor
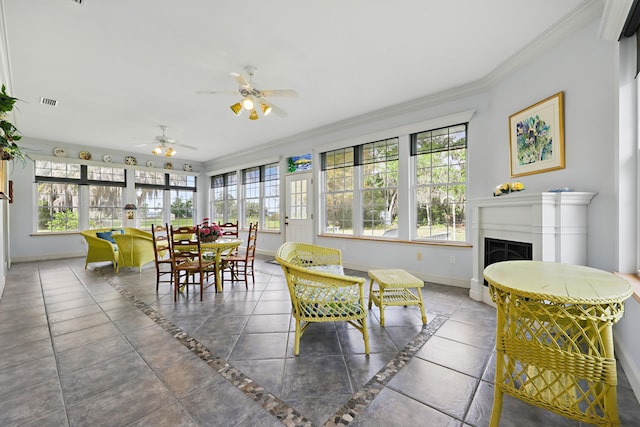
90	347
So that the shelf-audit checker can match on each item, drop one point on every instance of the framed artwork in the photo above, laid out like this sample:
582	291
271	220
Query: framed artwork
536	137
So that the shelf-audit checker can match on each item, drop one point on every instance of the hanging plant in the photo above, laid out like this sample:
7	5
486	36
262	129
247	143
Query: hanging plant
8	133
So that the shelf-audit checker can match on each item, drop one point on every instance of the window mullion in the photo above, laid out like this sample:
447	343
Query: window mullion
356	213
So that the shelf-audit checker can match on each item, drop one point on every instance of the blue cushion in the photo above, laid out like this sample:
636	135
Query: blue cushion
106	235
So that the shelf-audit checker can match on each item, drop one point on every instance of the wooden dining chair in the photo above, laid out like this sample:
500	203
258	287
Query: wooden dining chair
240	265
229	230
162	252
186	255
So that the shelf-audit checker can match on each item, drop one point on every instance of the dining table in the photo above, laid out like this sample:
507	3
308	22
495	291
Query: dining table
554	337
216	251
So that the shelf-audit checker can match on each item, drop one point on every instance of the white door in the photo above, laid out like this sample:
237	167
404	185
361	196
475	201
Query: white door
299	216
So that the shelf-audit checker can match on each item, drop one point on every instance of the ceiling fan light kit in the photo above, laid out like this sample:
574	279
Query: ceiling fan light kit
247	104
254	99
236	108
266	109
165	145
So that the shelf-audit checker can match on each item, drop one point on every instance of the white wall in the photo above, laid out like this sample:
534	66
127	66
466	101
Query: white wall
583	67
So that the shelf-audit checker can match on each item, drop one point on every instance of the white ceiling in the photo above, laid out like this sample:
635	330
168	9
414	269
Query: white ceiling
121	68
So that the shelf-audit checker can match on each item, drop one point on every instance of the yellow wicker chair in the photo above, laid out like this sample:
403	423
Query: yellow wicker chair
318	290
130	254
135	248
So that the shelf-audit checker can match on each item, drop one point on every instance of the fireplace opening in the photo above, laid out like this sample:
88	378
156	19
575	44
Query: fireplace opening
496	250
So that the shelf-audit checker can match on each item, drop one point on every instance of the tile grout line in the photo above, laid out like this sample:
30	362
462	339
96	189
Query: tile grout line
53	348
274	405
362	398
278	408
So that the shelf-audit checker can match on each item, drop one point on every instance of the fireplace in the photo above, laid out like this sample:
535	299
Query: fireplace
552	225
496	250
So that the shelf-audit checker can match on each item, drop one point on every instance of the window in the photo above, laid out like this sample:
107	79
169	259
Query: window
380	188
182	190
251	181
59	196
440	157
261	196
224	198
338	167
106	186
271	199
156	190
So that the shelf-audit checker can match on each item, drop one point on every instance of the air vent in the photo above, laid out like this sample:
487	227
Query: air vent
48	101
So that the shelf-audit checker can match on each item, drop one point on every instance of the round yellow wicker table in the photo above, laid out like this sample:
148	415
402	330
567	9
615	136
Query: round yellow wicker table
554	339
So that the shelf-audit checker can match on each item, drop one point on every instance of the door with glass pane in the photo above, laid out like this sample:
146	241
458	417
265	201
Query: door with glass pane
299	219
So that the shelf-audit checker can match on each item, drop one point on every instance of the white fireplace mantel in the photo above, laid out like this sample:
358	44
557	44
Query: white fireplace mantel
554	223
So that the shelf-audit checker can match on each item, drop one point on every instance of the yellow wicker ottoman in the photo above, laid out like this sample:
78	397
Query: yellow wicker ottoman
393	289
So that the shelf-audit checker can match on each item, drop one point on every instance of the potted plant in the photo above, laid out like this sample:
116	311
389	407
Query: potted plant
8	132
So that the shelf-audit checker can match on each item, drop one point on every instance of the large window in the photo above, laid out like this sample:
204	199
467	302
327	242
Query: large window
361	191
440	157
156	190
59	196
338	167
224	198
380	188
261	196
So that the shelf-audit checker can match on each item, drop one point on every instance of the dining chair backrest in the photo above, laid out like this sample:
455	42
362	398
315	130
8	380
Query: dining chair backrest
162	253
185	244
251	241
161	242
229	229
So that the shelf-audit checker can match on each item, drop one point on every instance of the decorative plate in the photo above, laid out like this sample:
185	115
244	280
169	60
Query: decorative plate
130	160
168	165
59	152
85	155
107	158
150	164
187	168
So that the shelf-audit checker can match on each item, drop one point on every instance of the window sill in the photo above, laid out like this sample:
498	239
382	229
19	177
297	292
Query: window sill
634	281
54	233
413	242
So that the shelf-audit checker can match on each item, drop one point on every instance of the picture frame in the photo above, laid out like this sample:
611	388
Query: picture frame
536	137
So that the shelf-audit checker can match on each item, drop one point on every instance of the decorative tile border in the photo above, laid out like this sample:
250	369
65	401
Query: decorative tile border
281	410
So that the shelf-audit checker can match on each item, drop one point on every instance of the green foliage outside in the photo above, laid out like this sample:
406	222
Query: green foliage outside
63	221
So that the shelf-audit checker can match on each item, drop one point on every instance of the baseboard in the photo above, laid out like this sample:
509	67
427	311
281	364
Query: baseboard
450	281
629	367
48	257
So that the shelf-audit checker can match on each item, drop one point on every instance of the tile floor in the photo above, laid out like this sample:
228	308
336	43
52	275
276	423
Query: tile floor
89	347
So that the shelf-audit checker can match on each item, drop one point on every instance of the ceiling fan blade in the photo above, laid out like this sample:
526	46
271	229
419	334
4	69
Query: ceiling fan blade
217	92
142	145
190	147
240	79
277	110
289	93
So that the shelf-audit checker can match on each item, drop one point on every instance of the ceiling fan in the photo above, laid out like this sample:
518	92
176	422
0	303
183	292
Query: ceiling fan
165	144
254	99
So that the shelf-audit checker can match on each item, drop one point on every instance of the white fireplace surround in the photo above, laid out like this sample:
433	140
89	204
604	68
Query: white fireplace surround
554	223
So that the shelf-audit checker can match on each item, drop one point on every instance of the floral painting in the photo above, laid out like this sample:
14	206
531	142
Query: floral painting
537	137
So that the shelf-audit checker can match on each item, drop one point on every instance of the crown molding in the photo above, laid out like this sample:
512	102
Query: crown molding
613	19
582	15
